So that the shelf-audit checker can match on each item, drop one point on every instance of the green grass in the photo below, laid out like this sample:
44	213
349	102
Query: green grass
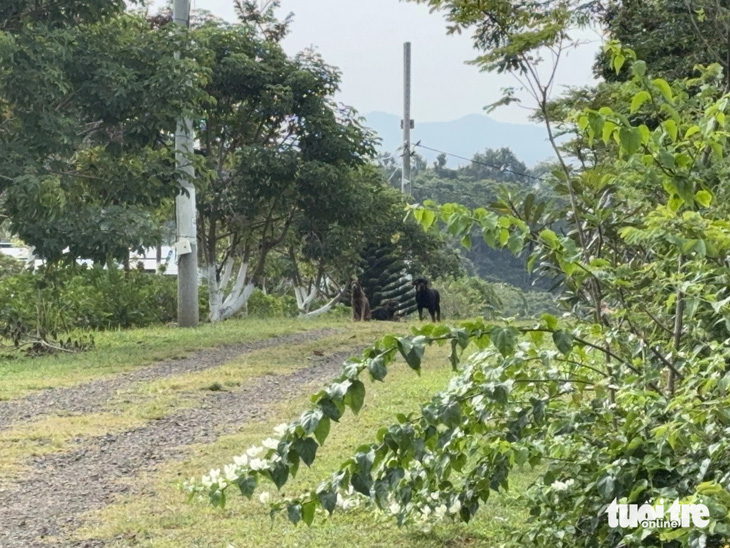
119	351
158	515
161	517
142	402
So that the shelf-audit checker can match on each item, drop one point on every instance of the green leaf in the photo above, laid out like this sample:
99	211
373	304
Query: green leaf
247	486
322	430
639	99
664	88
563	341
645	134
310	420
618	62
328	500
412	350
691	131
294	512
630	139
606	487
355	396
450	415
504	339
377	369
308	509
550	321
330	409
704	198
466	241
550	238
671	128
280	474
427	218
307	450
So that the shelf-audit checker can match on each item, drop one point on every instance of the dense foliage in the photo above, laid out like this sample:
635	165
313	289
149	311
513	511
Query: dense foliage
45	306
89	96
626	399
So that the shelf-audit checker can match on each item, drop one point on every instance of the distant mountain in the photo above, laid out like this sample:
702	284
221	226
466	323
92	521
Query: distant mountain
464	137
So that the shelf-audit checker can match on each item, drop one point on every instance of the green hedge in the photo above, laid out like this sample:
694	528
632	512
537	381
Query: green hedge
52	301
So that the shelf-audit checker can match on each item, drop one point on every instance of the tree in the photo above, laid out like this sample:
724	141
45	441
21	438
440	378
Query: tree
88	99
275	152
670	36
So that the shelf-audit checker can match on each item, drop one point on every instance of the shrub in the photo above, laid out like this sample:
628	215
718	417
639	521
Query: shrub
270	305
471	296
10	266
467	297
51	301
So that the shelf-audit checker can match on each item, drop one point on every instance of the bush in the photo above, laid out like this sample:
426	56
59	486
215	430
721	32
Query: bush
471	296
268	305
52	301
10	266
467	297
517	303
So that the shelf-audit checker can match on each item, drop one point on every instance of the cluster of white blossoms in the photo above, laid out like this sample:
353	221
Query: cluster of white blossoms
562	485
427	512
351	499
252	460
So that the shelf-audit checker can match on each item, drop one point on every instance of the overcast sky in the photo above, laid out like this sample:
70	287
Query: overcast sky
364	38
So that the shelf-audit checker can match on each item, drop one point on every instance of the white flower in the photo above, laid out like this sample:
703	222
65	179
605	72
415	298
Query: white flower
265	497
206	481
570	482
230	471
559	486
281	429
434	495
440	511
254	452
241	460
340	500
394	507
426	510
270	443
454	508
258	464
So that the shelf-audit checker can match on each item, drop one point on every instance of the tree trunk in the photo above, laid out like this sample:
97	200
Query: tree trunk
322	309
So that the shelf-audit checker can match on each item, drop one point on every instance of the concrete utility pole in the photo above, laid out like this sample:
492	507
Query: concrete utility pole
406	123
187	244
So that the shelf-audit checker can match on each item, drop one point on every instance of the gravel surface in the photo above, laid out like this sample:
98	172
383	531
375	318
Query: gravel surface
60	487
92	396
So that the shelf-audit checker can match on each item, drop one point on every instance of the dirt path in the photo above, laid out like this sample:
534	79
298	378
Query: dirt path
60	487
93	396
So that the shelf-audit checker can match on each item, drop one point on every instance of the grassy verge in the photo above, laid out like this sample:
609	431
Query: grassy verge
120	351
142	402
158	515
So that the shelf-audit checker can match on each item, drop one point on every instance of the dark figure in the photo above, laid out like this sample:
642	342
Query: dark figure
360	303
428	299
387	312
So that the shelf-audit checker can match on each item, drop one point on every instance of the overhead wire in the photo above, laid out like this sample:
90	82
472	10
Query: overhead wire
498	168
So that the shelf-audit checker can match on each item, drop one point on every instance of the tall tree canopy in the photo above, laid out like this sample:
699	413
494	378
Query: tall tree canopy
89	95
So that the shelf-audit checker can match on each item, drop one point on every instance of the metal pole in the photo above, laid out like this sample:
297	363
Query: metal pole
187	244
406	177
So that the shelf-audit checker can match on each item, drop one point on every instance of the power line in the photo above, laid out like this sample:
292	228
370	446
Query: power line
498	168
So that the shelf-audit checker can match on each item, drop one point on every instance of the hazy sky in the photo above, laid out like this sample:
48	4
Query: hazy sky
364	38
